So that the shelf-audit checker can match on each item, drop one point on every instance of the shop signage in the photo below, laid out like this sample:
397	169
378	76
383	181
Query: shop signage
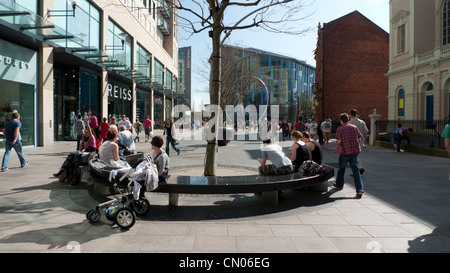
118	92
5	60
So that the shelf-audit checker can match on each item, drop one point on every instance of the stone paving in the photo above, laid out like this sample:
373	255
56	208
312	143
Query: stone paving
405	208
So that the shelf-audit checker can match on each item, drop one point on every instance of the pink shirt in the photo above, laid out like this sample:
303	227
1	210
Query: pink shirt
147	123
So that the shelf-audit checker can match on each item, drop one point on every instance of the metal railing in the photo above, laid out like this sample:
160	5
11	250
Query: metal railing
426	133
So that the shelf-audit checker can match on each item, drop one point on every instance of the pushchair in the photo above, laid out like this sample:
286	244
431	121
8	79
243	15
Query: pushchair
128	186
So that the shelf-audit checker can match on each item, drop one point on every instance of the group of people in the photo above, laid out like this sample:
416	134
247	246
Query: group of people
112	140
318	131
351	136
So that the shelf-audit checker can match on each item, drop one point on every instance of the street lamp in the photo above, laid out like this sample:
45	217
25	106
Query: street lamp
63	13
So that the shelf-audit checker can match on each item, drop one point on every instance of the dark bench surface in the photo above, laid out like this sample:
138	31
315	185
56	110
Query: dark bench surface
241	184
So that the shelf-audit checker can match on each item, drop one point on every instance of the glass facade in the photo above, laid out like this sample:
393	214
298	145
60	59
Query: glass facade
158	76
285	79
158	112
119	99
20	97
75	93
143	104
143	61
18	87
85	24
119	45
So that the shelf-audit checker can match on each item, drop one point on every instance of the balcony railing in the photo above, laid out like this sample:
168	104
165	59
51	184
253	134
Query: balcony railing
164	9
163	26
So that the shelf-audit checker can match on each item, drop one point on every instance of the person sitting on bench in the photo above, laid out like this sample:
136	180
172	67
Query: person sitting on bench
281	164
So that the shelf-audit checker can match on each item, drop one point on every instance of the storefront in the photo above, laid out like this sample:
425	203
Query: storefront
143	104
18	85
120	99
76	92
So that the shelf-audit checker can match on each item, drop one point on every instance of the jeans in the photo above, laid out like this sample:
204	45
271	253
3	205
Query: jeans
397	141
170	140
18	147
353	160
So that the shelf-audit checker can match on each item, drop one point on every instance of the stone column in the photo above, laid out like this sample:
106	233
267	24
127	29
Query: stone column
373	118
45	98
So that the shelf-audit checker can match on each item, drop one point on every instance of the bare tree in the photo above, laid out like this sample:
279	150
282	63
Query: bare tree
196	16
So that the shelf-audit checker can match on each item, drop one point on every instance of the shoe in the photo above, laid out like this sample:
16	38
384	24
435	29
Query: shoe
5	170
335	187
58	173
63	177
358	195
26	164
178	153
361	171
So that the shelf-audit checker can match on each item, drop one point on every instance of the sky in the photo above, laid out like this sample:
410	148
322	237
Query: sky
300	47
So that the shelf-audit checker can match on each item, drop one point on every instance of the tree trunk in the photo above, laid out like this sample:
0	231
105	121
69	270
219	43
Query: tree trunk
214	96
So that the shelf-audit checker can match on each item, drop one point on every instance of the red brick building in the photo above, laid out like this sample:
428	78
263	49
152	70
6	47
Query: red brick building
352	60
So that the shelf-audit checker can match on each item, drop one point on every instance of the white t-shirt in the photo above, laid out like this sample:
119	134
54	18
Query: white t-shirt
312	128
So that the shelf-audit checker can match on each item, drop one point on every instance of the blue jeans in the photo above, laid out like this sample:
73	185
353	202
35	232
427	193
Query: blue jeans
18	147
397	141
170	140
353	160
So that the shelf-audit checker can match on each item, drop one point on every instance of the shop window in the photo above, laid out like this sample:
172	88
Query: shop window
17	97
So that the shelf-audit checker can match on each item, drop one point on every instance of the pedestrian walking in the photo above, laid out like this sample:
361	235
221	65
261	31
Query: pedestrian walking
326	130
148	128
347	136
284	129
171	138
104	127
79	129
312	129
361	125
13	140
137	128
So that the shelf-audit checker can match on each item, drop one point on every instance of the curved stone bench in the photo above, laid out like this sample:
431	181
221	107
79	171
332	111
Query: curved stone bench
269	186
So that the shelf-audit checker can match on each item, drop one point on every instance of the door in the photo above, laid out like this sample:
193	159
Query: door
430	111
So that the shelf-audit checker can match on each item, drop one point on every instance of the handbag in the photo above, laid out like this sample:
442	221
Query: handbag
311	167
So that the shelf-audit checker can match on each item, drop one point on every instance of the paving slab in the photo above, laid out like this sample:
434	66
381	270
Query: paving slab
404	208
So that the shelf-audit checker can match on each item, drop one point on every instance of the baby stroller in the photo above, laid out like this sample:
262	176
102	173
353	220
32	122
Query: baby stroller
128	183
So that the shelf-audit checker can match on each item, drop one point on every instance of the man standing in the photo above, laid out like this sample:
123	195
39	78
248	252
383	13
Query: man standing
361	125
347	136
285	129
13	140
312	129
124	121
147	127
326	130
79	129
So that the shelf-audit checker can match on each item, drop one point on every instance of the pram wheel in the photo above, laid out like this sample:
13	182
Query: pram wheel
141	206
125	218
93	216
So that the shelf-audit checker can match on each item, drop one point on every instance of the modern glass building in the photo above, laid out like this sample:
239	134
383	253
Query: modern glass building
260	77
184	75
61	58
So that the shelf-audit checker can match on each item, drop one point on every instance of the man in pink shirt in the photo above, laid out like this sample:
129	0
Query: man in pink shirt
147	127
347	136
